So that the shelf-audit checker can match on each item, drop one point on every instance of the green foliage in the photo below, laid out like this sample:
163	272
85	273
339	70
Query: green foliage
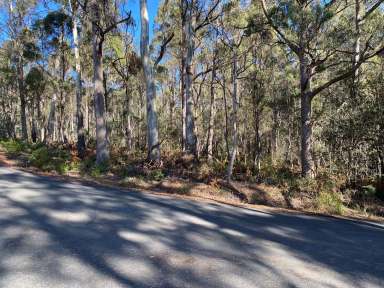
156	175
50	159
99	169
276	174
14	147
369	190
330	202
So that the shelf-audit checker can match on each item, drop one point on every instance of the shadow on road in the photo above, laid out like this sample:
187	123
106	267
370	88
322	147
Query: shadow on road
71	233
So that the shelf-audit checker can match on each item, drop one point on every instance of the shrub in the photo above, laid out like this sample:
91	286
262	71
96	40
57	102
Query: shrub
14	147
330	202
156	175
369	190
99	169
50	159
205	171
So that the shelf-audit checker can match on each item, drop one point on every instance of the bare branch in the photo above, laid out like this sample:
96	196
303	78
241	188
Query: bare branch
115	24
346	74
163	47
373	8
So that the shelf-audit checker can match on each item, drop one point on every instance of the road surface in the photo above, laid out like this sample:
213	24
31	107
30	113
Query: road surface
59	234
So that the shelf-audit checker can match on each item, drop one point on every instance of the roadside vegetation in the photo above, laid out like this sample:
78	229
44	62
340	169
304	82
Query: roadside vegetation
279	186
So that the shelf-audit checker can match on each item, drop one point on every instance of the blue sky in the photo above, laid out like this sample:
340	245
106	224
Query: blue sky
132	5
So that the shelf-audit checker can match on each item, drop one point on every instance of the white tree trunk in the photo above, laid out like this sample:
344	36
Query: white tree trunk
79	96
152	129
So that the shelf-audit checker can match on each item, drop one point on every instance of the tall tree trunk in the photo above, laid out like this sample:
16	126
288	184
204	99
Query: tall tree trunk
274	135
23	117
102	145
79	96
61	124
152	129
307	167
256	111
188	49
235	103
226	131
212	113
183	100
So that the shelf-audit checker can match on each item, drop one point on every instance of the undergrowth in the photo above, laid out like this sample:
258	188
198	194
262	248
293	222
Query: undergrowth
326	192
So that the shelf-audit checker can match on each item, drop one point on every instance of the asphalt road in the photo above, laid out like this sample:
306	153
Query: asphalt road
58	234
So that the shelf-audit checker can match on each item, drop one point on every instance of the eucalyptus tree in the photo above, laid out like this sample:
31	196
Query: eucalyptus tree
8	89
103	16
319	38
194	17
18	10
74	8
127	65
36	83
232	37
152	127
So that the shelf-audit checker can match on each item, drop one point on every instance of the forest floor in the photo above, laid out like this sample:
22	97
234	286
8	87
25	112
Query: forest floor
186	179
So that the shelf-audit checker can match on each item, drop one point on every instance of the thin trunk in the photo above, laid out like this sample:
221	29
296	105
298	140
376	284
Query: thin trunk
79	95
226	132
212	113
40	119
33	126
183	104
152	128
23	117
50	137
256	111
274	135
235	103
128	128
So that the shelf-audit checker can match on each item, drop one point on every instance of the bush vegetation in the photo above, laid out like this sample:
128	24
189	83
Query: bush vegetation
329	194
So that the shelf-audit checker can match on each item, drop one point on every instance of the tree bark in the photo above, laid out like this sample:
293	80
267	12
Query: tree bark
102	145
212	113
128	128
152	128
256	110
307	167
33	126
188	49
50	137
235	103
356	59
79	96
23	117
